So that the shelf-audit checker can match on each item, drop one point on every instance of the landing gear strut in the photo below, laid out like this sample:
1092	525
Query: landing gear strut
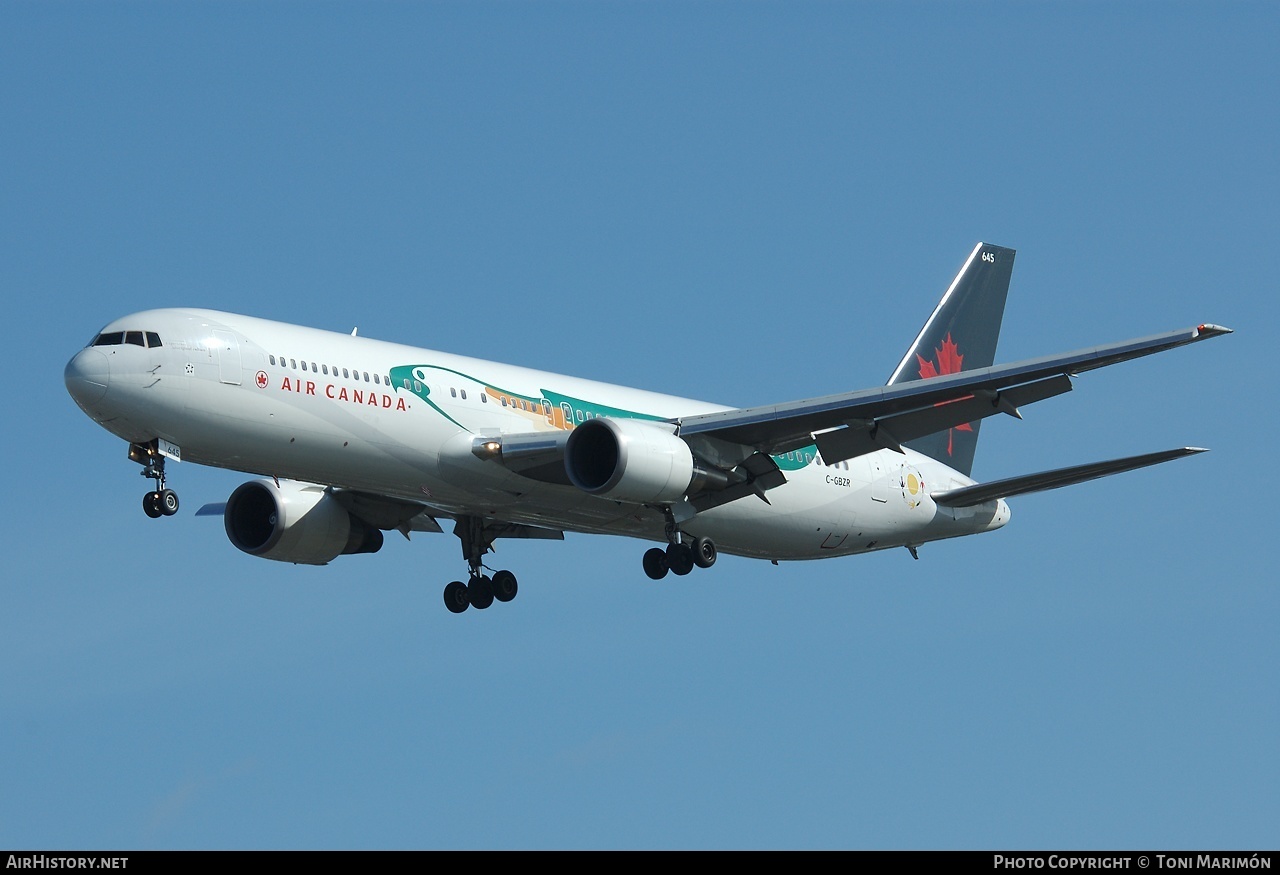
680	556
160	501
480	591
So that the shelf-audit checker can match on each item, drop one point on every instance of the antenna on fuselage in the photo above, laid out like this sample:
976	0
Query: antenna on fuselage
354	330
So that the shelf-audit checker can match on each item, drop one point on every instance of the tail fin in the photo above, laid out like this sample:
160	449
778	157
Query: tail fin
961	335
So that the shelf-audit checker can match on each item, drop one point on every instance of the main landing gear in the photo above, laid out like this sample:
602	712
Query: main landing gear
480	591
160	501
681	556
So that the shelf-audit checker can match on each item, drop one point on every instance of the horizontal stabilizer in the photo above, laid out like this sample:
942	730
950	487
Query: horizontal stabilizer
983	492
216	509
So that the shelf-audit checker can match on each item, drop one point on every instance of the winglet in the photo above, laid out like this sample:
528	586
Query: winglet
1208	329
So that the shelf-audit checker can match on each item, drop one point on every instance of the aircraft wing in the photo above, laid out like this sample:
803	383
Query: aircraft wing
384	512
379	511
387	513
853	423
970	495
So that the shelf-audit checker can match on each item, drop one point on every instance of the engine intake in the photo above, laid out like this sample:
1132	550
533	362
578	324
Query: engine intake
629	459
294	522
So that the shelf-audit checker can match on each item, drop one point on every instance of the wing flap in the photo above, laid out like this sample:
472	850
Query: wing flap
970	495
495	529
769	427
890	432
386	513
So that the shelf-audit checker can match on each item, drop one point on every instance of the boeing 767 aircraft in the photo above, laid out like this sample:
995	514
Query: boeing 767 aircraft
353	437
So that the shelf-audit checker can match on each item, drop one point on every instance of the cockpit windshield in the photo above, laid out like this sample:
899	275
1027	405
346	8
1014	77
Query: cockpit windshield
137	338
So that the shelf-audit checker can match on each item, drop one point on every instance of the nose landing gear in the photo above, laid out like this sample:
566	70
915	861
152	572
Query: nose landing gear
160	501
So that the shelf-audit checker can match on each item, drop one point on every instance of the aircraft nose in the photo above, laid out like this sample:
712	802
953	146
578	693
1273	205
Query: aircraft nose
87	376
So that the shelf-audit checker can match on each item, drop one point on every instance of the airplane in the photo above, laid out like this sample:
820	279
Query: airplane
351	437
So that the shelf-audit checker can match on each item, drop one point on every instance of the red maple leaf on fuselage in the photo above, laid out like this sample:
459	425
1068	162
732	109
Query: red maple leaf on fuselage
950	361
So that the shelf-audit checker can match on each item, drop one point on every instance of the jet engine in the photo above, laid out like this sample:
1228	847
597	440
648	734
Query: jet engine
295	522
629	460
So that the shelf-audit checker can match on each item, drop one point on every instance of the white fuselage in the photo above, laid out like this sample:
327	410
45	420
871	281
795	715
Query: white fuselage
322	407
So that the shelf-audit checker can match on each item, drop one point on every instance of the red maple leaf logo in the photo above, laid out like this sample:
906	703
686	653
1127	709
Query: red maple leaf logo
950	361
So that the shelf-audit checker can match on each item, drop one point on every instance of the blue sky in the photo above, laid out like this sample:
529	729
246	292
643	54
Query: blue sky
746	203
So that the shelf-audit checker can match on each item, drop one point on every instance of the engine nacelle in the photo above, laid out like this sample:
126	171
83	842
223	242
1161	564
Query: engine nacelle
294	522
629	459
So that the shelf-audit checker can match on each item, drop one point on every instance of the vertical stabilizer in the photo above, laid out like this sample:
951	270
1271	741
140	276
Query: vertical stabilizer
961	335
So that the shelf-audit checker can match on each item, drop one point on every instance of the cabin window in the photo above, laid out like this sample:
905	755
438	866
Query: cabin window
153	340
366	376
579	416
483	399
464	394
135	338
417	387
453	392
503	399
377	378
325	369
273	359
293	363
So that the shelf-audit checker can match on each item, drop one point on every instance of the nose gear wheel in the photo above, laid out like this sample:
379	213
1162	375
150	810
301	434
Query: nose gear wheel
161	501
